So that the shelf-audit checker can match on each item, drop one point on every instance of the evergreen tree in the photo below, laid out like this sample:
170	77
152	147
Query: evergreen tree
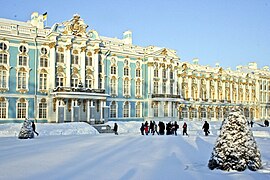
235	148
26	130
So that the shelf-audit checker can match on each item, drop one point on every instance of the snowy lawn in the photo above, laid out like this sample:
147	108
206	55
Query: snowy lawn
77	151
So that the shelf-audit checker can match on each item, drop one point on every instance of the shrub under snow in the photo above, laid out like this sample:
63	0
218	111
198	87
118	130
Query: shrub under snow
235	148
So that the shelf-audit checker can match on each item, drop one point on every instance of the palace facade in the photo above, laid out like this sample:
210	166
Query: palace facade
67	73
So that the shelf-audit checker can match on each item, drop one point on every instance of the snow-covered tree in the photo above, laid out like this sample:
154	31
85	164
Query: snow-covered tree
235	148
26	131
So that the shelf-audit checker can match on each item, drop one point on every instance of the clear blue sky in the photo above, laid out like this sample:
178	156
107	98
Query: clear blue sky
231	32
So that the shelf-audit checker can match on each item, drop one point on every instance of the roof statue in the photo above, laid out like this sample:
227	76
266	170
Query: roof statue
75	26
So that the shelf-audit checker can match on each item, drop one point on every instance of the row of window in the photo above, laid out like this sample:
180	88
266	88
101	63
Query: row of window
22	110
126	109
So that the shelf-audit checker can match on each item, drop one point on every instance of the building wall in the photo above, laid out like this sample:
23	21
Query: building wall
199	92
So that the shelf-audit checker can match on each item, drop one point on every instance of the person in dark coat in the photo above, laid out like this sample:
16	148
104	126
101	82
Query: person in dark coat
185	129
115	128
151	127
206	128
146	128
142	129
34	128
161	126
266	123
175	128
155	128
251	123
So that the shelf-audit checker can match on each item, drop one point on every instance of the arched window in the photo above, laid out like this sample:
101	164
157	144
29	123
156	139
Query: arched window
155	87
164	73
3	53
22	79
23	57
42	109
138	109
75	57
43	78
43	60
126	109
88	59
22	105
60	80
138	87
74	80
89	82
60	58
3	108
126	86
203	113
113	86
113	108
3	78
155	109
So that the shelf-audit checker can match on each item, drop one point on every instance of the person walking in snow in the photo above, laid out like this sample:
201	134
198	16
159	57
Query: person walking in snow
206	128
146	128
34	128
175	128
155	128
251	123
115	128
185	129
142	129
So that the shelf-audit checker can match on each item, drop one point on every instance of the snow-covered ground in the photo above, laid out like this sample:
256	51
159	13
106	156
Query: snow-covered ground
78	151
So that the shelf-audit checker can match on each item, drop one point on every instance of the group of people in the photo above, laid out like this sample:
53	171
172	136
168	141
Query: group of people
171	128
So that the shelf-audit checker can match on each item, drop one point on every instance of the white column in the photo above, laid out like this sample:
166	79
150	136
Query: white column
82	59
189	88
88	110
56	111
72	110
68	64
52	66
96	73
208	89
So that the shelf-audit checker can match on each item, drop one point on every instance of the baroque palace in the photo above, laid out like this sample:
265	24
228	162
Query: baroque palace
67	73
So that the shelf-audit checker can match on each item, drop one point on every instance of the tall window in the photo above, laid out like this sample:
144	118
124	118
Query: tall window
23	56
138	72
164	73
74	80
194	113
126	87
43	60
113	86
171	88
22	81
21	110
126	109
138	87
166	110
138	109
42	110
126	71
88	59
156	72
60	80
3	53
155	87
164	87
203	113
3	78
171	74
113	110
3	109
89	82
113	69
155	108
75	58
43	81
184	113
60	58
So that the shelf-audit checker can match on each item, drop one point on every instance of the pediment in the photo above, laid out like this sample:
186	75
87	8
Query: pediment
164	52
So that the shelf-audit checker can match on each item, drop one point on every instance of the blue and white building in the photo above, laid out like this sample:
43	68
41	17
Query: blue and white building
67	73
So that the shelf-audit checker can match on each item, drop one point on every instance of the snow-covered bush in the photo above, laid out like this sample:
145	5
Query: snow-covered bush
235	148
26	130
